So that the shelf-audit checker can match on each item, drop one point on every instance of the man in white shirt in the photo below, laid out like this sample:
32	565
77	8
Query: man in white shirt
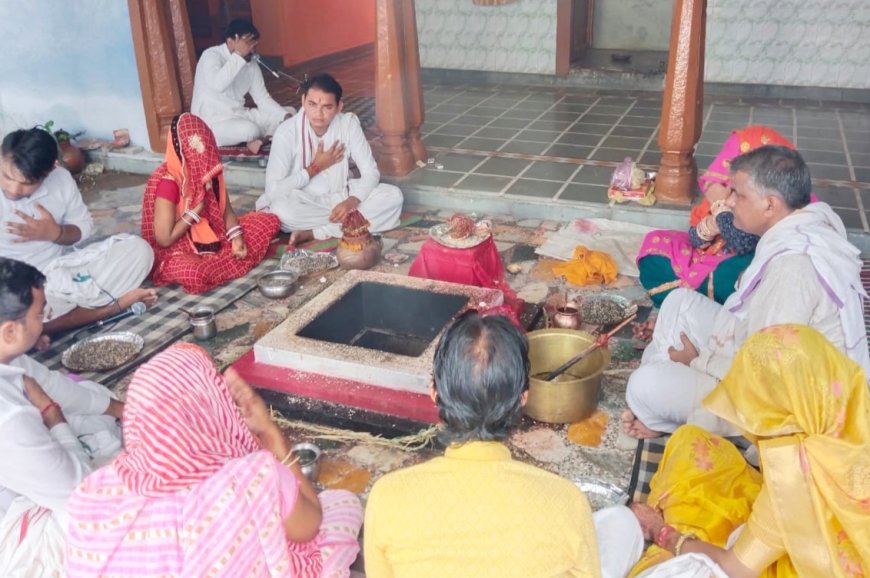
42	214
224	75
804	271
308	182
53	431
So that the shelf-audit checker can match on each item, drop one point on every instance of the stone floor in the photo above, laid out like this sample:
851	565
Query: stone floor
115	199
557	145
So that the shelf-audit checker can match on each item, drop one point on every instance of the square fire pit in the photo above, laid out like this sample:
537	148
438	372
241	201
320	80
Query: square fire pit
374	328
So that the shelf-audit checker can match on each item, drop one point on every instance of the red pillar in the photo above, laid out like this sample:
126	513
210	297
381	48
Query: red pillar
398	92
682	108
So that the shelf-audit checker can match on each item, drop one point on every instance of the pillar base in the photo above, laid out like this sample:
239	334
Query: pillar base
394	155
675	181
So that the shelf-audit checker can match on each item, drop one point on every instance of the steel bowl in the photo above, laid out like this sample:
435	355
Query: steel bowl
572	396
278	284
308	459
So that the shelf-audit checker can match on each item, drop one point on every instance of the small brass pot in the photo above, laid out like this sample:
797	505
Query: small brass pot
573	396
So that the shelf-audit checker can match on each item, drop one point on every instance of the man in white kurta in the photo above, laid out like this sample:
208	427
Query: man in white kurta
224	75
308	181
43	216
53	432
804	271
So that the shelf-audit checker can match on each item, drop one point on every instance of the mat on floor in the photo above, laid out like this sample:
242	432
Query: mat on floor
161	325
646	462
240	152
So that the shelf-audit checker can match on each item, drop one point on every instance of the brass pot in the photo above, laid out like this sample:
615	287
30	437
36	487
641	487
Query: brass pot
573	396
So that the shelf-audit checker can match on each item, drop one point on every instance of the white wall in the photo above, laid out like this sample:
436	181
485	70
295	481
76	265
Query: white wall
789	42
516	37
632	24
71	62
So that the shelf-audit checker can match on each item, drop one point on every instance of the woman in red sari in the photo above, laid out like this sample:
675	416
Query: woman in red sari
187	218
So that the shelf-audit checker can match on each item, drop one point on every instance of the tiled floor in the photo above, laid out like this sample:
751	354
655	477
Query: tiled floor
556	143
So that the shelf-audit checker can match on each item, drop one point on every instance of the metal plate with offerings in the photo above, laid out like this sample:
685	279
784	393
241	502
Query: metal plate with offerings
307	262
605	309
450	234
102	352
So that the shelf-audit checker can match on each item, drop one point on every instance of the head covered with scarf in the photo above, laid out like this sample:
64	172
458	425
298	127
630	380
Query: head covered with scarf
739	142
192	160
805	404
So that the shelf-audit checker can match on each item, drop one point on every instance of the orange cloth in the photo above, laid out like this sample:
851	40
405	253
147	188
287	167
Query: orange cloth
587	267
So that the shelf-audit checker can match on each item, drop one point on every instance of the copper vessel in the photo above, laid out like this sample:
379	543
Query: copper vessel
567	316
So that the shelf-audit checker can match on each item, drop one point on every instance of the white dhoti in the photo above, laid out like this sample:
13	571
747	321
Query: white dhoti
664	394
96	275
248	125
300	210
620	540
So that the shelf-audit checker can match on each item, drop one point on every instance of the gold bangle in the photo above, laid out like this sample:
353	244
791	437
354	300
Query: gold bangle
678	548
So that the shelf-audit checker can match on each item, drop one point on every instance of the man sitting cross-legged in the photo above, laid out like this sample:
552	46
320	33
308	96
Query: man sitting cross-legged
476	511
308	182
53	433
42	214
224	75
804	272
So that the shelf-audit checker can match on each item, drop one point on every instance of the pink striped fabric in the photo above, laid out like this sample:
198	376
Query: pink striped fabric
192	495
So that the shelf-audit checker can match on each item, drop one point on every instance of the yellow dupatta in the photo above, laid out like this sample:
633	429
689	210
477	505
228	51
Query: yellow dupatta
806	405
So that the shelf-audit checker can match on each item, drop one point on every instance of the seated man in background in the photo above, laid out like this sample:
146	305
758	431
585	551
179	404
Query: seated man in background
42	213
476	511
53	432
308	182
804	272
224	75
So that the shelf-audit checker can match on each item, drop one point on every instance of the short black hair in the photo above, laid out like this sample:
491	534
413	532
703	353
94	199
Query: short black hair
481	370
778	170
33	151
17	282
325	82
241	27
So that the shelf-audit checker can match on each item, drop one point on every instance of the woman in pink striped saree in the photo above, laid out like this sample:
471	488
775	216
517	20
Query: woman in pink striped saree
200	490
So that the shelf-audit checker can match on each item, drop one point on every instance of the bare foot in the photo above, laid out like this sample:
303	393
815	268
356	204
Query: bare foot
635	428
255	145
146	296
299	237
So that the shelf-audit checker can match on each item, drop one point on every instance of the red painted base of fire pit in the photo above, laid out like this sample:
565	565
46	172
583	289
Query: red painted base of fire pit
403	404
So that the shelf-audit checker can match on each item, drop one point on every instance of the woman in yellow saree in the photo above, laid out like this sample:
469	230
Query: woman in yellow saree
805	406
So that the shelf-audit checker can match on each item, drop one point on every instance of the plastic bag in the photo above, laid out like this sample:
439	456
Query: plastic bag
629	183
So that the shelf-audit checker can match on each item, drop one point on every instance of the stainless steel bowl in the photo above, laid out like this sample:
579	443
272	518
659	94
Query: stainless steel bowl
309	459
278	284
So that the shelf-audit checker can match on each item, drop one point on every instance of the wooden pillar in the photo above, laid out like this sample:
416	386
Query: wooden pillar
165	59
398	92
682	108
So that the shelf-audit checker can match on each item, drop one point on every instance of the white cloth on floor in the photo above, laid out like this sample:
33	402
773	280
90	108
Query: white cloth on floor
304	203
622	241
96	275
620	540
814	280
40	468
219	87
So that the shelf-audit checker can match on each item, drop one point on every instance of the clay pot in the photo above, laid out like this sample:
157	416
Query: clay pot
72	157
366	257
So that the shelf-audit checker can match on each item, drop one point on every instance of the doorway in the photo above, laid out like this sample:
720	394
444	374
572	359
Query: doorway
209	19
